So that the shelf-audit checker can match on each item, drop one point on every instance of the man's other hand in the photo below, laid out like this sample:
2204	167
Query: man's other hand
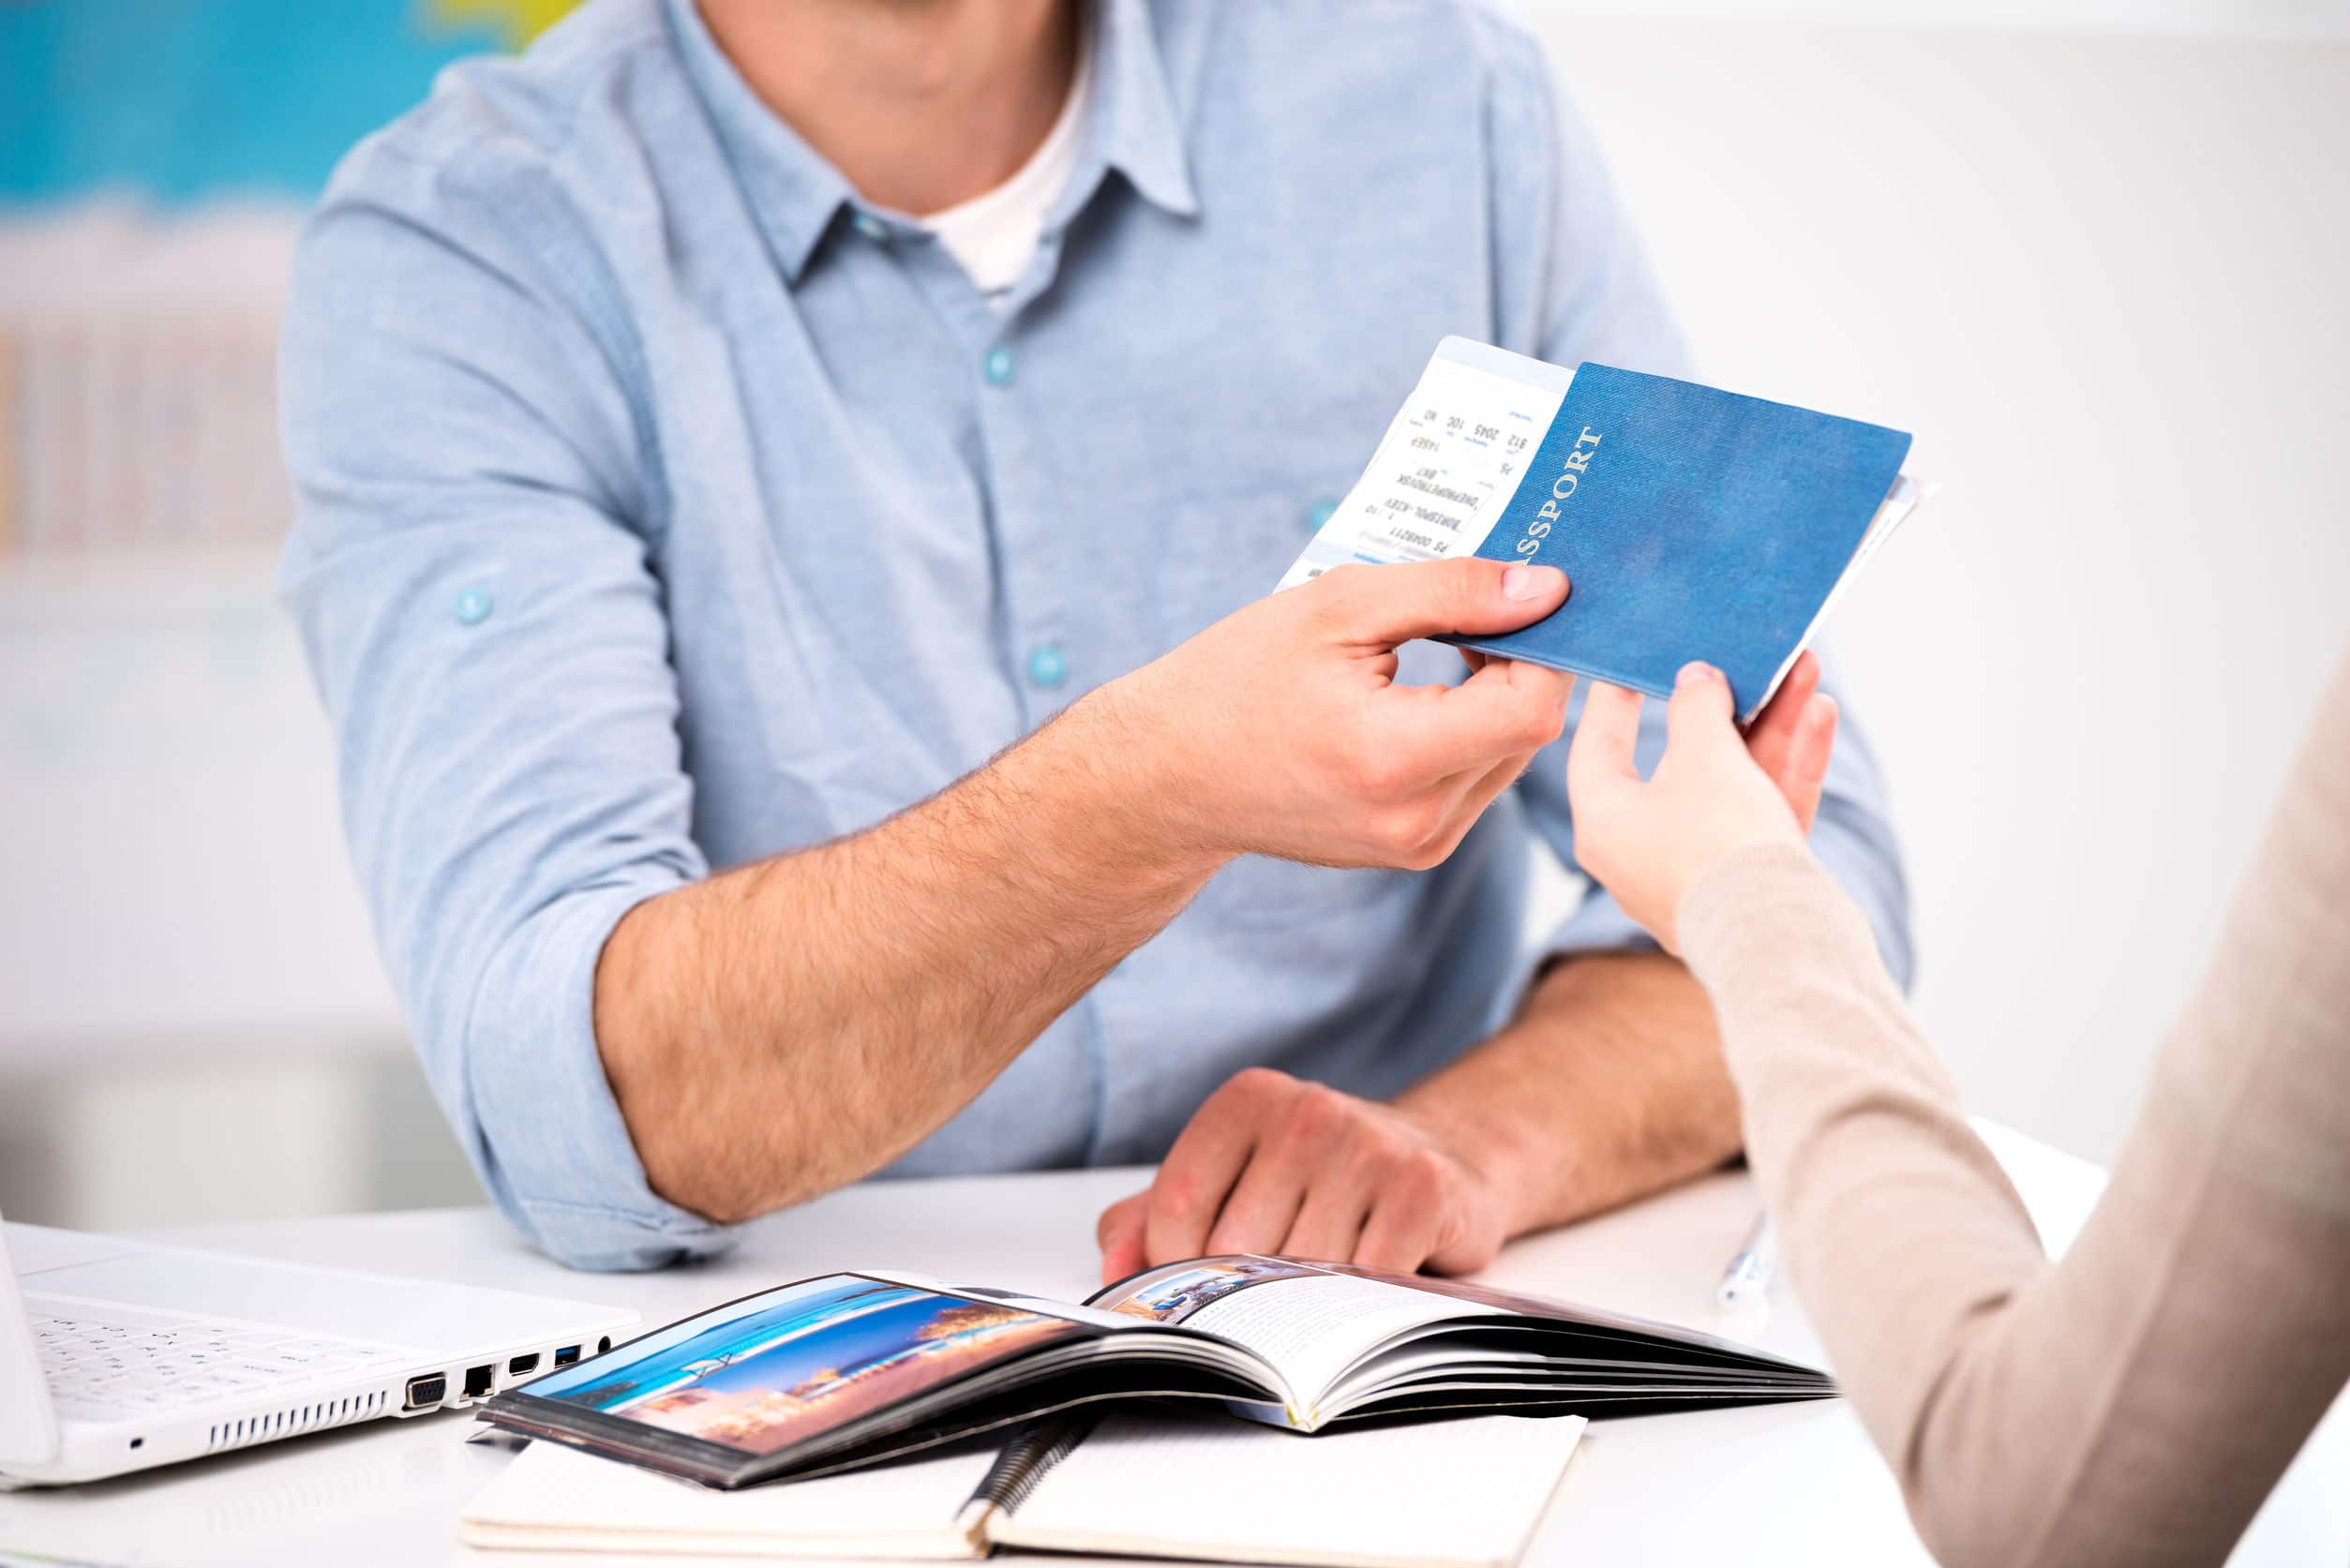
1273	1164
1280	730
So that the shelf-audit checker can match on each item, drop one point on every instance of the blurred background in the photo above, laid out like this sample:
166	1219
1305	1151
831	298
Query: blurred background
2092	251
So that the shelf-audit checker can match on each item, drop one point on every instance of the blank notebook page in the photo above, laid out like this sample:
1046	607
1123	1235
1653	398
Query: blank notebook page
554	1497
1160	1484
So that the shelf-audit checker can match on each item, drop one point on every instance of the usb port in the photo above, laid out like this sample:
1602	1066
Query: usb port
565	1356
477	1380
522	1363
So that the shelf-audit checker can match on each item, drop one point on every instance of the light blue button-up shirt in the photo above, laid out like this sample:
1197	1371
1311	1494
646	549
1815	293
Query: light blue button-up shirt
662	506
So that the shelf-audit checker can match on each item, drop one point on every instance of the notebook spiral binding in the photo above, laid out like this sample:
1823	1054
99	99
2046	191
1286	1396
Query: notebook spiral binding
1031	1456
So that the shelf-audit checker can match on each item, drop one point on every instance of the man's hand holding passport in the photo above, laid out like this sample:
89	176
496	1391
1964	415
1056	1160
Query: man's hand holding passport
1698	525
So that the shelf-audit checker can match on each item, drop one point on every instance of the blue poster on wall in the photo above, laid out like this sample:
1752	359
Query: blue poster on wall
182	99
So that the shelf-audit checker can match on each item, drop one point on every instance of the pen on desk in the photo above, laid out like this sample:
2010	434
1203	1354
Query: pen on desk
1748	1276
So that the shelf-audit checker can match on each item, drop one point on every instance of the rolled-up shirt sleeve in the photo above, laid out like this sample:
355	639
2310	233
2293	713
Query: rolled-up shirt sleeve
1572	284
471	570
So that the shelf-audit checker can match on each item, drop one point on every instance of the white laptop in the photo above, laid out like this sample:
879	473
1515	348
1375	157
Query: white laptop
116	1354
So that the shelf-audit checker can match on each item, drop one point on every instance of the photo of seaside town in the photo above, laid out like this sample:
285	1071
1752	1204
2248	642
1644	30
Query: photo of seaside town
1173	1292
789	1365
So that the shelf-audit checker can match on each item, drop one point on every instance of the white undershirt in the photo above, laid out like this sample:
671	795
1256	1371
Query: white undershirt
994	235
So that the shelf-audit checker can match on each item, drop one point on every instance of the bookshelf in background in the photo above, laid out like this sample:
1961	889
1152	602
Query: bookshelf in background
138	370
130	435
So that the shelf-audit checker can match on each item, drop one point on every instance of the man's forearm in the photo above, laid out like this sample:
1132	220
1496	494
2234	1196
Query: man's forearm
784	1028
1609	1085
777	1031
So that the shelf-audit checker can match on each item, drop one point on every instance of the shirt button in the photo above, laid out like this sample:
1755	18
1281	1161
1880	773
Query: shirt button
999	367
1318	513
871	227
1046	666
471	608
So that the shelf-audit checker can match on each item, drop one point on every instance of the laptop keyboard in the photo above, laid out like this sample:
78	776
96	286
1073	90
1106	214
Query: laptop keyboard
107	1361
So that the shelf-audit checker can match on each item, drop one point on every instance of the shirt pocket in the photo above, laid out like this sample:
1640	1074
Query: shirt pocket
1219	554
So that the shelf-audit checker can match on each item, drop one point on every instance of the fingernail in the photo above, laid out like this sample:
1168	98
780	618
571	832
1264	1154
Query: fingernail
1532	582
1695	671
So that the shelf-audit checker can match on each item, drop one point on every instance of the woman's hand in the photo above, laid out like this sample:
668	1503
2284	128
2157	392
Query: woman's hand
1714	792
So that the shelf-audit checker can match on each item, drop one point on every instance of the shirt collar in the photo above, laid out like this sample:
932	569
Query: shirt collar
1131	126
1136	126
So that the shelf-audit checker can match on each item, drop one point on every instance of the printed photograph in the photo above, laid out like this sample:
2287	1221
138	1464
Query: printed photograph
799	1361
1538	1306
1462	1290
1170	1293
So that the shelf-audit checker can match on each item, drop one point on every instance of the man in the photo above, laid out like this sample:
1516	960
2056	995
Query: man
804	703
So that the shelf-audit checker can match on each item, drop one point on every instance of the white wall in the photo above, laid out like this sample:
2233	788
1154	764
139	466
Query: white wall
2271	19
2101	278
2097	274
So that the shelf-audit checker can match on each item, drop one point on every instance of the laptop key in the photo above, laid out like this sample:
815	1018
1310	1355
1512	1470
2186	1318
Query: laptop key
127	1360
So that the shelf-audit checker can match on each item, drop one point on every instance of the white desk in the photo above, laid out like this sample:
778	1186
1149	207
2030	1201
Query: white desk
1777	1485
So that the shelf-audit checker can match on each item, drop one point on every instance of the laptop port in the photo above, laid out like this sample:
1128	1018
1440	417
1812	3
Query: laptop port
565	1356
477	1380
426	1392
604	1344
522	1363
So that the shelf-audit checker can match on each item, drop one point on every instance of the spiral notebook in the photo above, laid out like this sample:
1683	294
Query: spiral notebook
1170	1485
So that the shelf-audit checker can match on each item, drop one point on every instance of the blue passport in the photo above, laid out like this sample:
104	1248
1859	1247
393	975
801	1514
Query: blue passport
1693	523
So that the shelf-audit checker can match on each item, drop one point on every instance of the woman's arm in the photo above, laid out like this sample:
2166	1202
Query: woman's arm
2135	1402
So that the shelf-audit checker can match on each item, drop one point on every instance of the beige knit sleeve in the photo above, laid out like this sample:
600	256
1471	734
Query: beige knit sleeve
2135	1402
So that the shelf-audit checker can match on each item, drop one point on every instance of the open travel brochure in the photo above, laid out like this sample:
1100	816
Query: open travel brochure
850	1368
